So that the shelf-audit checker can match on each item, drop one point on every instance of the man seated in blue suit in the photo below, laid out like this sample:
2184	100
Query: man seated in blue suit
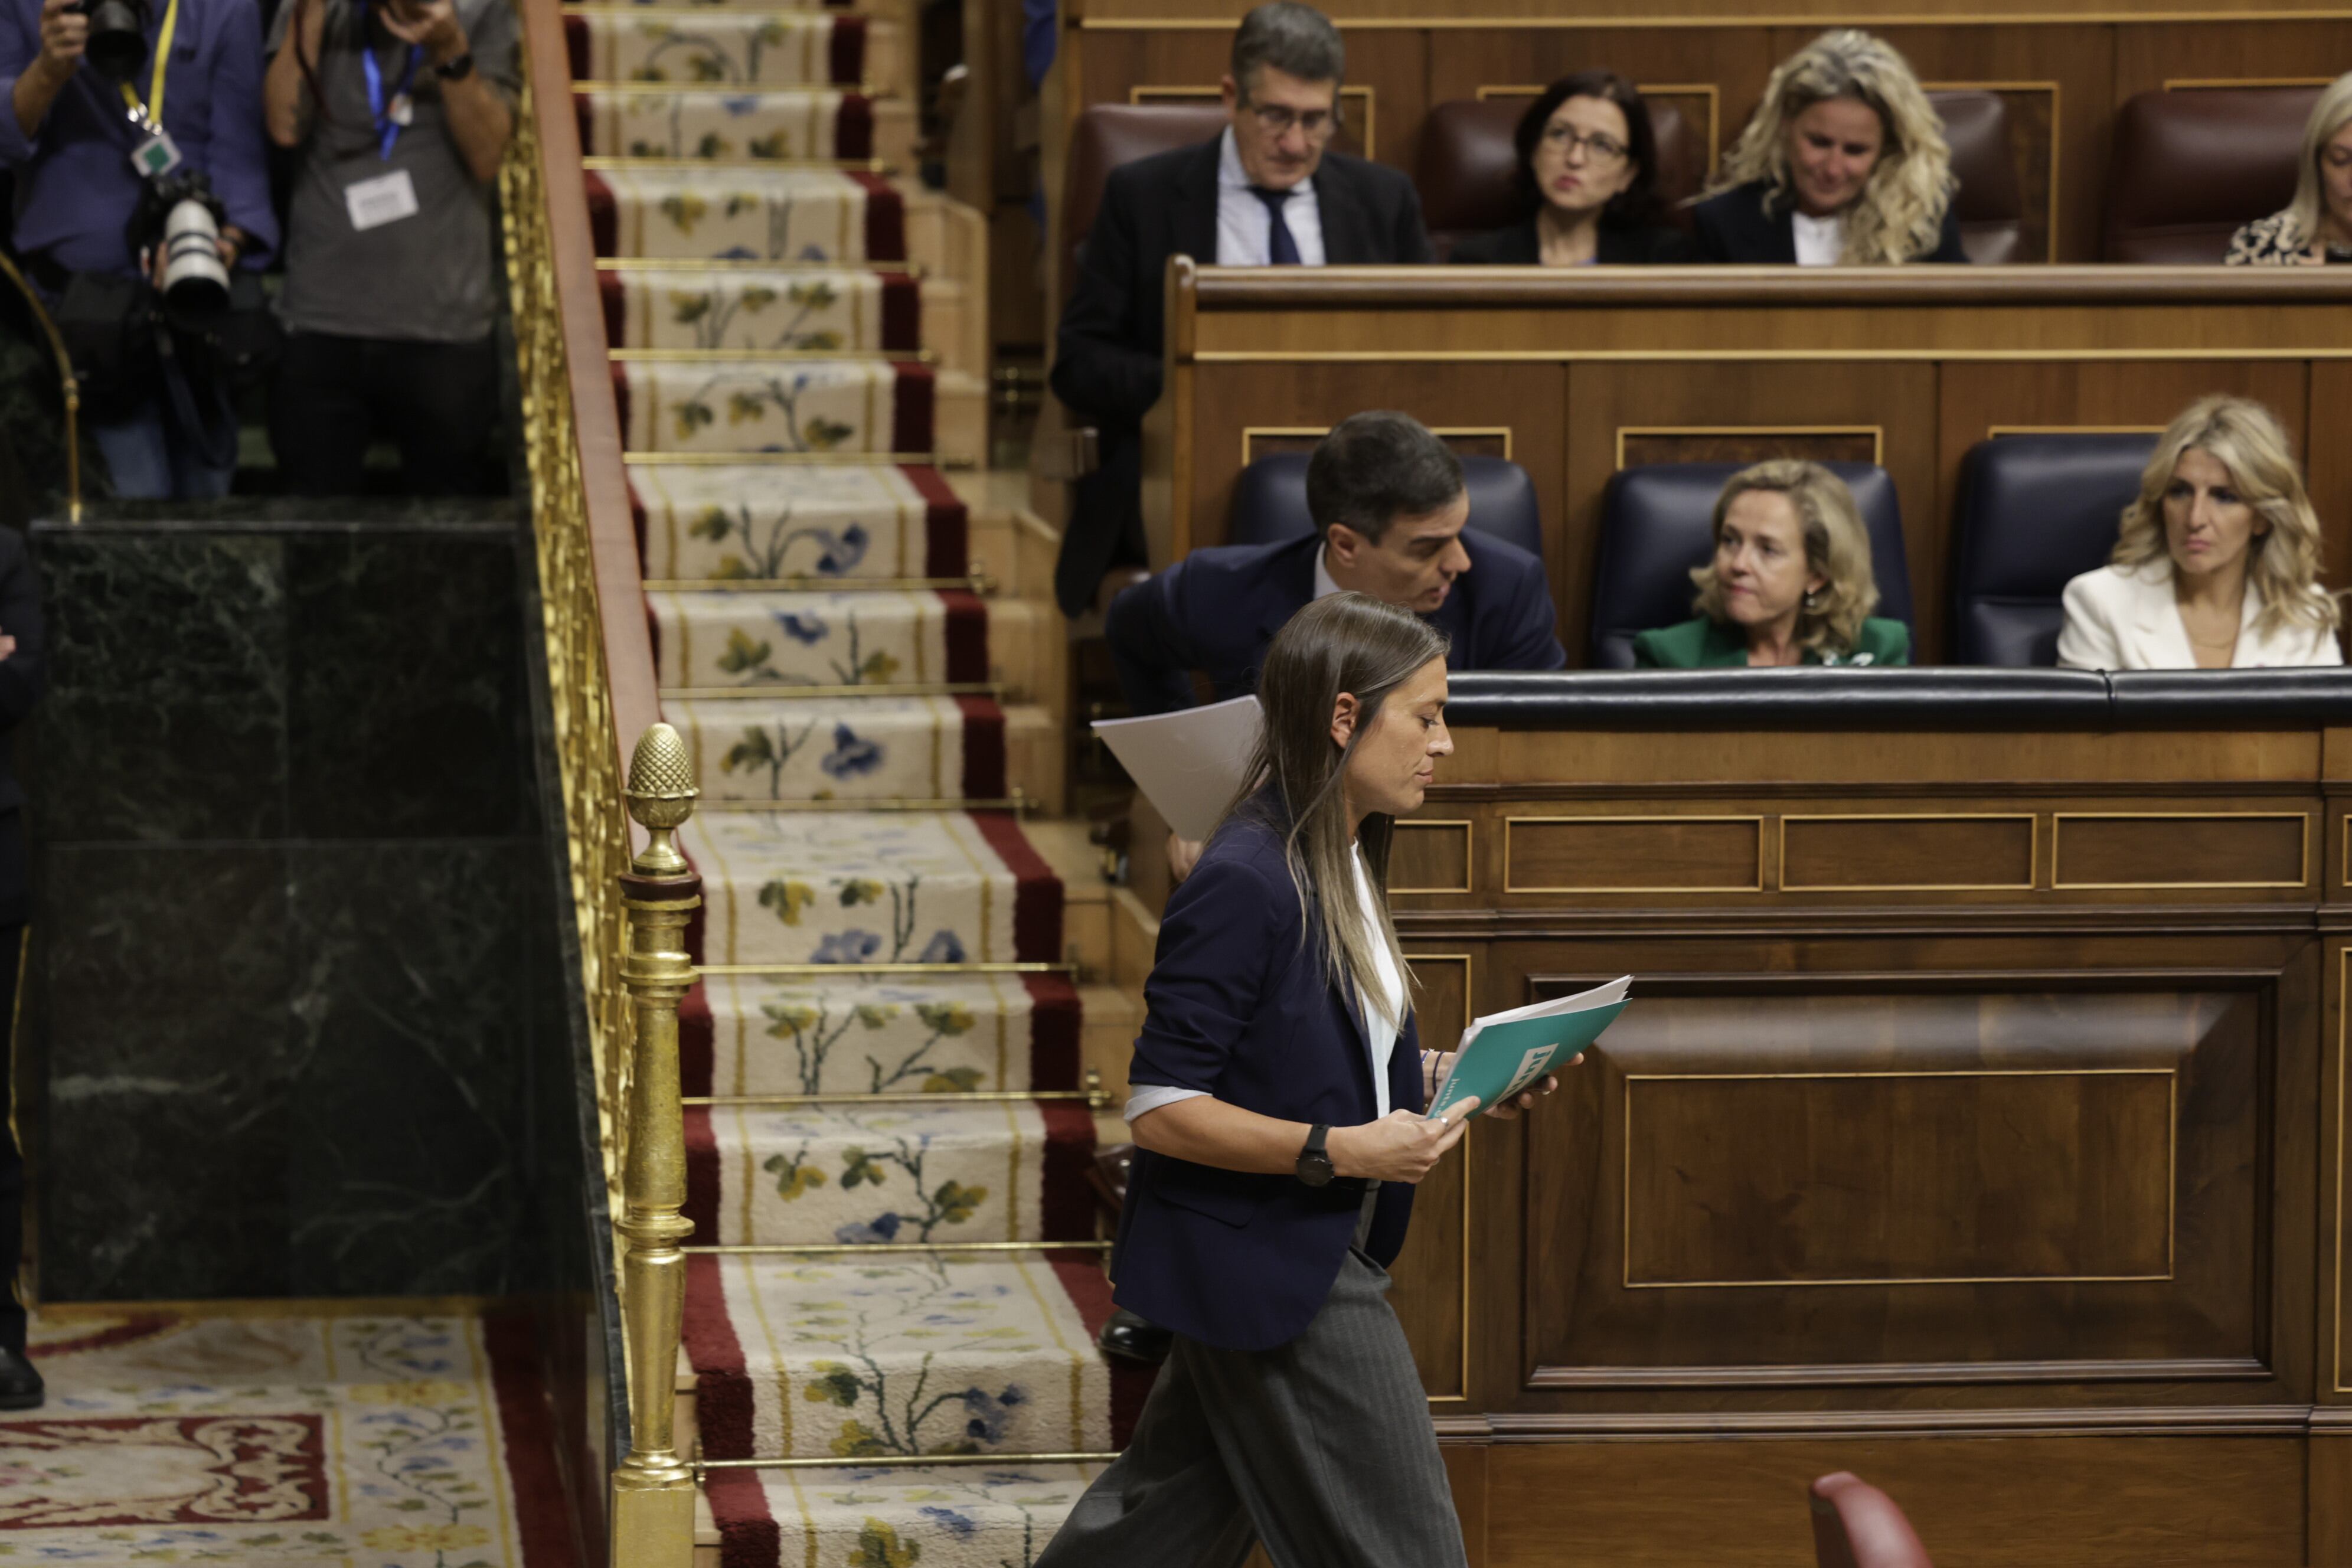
1389	507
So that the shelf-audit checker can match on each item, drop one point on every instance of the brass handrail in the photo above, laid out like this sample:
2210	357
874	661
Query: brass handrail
66	380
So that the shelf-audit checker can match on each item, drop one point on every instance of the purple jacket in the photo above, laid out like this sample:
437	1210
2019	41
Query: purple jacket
75	187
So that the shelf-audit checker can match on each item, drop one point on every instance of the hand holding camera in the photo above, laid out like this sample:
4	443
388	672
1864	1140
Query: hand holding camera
431	24
64	35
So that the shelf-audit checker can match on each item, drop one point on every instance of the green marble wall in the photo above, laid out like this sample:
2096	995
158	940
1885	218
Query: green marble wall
298	997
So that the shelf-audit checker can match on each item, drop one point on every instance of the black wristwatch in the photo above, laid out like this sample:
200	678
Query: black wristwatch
1314	1164
456	68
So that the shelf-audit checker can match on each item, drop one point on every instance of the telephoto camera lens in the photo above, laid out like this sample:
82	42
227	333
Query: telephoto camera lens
196	283
117	37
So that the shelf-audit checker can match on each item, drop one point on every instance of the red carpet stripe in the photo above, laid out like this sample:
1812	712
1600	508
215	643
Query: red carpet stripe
947	523
885	219
749	1536
846	51
1088	1288
984	746
702	1173
1037	892
967	635
723	1396
543	1511
912	425
1054	1021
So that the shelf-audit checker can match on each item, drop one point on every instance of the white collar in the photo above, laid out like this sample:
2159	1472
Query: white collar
1325	583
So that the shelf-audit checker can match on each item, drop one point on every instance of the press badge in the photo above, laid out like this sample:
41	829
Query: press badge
385	199
156	154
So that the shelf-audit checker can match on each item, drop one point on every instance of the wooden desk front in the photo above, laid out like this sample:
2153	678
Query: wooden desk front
1977	1128
1575	376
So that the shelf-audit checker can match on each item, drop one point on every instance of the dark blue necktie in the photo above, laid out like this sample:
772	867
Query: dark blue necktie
1280	249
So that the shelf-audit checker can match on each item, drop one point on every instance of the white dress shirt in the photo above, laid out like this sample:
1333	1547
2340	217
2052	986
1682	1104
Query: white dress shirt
1324	584
1381	1024
1820	240
1245	227
2118	619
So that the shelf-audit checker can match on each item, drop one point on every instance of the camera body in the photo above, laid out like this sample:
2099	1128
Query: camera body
118	36
179	216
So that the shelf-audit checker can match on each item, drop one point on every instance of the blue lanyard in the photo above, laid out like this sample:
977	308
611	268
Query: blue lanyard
387	129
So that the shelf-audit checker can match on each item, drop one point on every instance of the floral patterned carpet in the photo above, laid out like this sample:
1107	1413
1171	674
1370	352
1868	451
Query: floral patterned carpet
281	1433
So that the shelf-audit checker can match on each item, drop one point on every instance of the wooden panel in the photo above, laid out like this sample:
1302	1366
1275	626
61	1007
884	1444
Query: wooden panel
2090	1502
2067	1175
1385	69
2246	849
1265	442
1975	1205
1696	445
1432	1273
1430	856
1908	853
1605	399
1634	854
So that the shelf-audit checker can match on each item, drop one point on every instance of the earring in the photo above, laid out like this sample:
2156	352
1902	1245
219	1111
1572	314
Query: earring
1812	598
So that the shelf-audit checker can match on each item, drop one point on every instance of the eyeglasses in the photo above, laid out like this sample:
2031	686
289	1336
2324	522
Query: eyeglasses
1599	149
1320	124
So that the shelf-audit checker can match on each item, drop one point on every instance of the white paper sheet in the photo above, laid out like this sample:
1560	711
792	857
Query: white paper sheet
1189	763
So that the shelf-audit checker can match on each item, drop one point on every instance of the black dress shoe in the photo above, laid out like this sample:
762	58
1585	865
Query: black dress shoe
20	1385
1130	1338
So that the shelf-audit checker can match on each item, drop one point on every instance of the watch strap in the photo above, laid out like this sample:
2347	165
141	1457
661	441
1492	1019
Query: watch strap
457	68
1316	1136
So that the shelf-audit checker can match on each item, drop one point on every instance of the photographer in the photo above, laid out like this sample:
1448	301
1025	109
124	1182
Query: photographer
126	117
404	108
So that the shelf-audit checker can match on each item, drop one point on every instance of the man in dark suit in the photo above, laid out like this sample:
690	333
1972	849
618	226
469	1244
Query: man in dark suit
1389	507
1267	191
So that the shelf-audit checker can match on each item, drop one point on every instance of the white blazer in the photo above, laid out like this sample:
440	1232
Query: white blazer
2118	619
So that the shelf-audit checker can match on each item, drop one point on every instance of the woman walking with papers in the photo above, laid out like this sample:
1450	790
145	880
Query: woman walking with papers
1278	1090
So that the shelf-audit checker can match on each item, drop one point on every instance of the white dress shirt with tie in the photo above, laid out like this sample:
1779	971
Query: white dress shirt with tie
1244	226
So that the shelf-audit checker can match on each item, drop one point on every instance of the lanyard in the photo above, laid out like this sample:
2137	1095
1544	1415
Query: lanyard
151	112
387	129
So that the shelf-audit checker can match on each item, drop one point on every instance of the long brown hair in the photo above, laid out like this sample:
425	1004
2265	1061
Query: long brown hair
1837	545
1341	643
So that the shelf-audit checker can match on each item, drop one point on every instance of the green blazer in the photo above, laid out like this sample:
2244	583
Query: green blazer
1702	644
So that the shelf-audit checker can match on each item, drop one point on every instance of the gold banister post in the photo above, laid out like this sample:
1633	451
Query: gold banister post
653	1488
65	381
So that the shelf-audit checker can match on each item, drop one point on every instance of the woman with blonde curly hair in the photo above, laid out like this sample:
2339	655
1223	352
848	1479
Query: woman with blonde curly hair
1790	581
2217	562
1843	163
2316	226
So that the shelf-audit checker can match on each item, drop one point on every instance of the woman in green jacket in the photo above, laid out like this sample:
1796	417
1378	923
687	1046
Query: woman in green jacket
1790	581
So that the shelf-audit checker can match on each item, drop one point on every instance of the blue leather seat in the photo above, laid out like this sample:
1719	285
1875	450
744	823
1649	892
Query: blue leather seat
2035	511
1656	525
1270	501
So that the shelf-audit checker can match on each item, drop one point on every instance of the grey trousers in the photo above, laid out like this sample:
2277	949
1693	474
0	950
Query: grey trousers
1320	1447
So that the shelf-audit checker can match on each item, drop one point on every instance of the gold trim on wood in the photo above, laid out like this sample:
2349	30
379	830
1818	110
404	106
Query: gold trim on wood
1757	821
1142	94
1758	356
2058	819
2033	821
2171	1180
598	164
1250	432
789	460
1994	431
1807	19
754	356
1877	434
716	264
1469	846
2335	1326
2192	83
2057	125
1462	1153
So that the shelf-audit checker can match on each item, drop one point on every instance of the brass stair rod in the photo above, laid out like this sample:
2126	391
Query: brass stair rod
879	1461
66	380
653	1488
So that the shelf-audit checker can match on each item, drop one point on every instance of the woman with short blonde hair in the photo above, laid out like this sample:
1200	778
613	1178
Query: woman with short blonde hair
1789	583
2316	226
2216	563
1844	162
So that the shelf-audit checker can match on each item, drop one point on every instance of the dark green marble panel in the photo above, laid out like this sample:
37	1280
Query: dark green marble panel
412	1007
165	714
168	983
406	714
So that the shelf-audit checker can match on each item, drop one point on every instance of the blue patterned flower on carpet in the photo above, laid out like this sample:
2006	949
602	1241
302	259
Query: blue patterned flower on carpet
960	1525
945	947
883	1229
842	552
851	755
804	626
987	1416
847	947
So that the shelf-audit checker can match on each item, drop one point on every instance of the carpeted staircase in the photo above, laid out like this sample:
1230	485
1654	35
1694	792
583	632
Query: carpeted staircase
852	629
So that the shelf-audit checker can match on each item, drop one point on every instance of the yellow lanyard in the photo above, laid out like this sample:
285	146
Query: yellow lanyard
152	110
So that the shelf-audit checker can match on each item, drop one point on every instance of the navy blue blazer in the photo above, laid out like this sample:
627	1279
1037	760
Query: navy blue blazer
1236	1007
1216	610
1733	226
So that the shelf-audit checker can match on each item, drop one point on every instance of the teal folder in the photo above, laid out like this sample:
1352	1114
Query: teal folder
1505	1052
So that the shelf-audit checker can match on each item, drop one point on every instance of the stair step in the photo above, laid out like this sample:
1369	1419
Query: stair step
781	125
823	407
737	213
865	747
998	1170
859	520
776	638
743	307
878	888
899	1356
714	45
962	1516
746	1034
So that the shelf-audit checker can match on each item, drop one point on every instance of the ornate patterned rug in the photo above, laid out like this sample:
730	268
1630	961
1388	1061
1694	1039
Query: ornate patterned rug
275	1434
